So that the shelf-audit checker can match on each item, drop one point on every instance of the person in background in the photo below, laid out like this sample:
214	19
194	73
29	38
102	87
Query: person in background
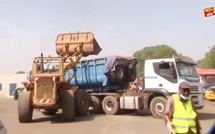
180	112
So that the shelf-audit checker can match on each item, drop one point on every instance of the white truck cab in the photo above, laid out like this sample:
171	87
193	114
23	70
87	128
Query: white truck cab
162	78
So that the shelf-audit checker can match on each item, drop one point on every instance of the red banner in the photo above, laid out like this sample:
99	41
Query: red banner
209	12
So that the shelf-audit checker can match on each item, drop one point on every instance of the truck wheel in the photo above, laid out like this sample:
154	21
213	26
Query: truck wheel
25	109
96	105
157	106
68	107
132	73
82	102
119	74
110	105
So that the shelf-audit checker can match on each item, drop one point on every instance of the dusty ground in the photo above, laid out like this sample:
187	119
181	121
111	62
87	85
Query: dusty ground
139	123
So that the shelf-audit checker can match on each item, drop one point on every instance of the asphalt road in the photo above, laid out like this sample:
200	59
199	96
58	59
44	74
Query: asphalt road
139	123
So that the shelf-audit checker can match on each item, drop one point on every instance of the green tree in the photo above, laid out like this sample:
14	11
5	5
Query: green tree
184	57
200	63
20	72
153	52
209	60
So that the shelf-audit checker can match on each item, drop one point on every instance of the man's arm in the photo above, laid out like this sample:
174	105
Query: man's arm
168	110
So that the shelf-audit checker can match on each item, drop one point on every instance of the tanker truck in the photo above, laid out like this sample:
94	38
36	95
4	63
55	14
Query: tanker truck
107	79
47	89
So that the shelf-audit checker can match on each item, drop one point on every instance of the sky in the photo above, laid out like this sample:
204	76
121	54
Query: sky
121	27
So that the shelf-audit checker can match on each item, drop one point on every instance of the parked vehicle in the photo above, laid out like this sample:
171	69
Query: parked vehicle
210	93
205	86
17	92
48	90
105	80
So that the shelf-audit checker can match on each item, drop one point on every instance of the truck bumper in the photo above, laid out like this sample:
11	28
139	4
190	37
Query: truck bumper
198	100
199	107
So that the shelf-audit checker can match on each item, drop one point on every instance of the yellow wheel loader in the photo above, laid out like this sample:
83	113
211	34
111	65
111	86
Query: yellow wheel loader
48	90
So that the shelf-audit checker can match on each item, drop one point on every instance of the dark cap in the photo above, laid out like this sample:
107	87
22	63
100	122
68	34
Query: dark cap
184	85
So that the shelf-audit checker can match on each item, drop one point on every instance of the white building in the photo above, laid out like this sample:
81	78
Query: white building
9	82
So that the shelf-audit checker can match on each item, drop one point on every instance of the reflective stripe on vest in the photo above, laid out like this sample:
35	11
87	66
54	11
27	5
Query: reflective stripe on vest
183	119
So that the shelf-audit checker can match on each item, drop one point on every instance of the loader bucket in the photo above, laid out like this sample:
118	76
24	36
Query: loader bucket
82	43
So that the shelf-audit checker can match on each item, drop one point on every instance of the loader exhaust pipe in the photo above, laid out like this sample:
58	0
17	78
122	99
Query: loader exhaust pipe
41	65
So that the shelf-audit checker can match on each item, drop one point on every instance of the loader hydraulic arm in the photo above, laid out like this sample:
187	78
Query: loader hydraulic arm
73	59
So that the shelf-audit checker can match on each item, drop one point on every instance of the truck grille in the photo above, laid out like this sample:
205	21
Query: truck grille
194	88
194	94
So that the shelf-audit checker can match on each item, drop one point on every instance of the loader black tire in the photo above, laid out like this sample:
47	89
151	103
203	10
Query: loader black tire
68	106
157	106
96	105
82	102
25	109
110	105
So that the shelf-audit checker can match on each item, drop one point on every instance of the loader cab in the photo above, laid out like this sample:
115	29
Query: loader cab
51	66
47	65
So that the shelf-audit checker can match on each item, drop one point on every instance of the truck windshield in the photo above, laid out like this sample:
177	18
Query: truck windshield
186	70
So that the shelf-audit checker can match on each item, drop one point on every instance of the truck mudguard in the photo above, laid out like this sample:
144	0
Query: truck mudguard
154	92
162	91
